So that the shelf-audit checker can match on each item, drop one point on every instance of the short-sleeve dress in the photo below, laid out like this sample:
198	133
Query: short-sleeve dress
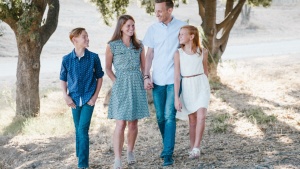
195	92
128	99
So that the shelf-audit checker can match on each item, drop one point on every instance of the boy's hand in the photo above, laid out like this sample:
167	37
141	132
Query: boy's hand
70	102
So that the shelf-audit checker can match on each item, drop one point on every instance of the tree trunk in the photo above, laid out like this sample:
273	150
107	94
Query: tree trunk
246	10
28	70
216	35
32	32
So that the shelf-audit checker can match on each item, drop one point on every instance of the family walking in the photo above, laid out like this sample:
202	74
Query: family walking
178	82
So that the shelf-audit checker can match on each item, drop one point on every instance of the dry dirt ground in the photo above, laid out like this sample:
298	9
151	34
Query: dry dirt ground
253	119
251	90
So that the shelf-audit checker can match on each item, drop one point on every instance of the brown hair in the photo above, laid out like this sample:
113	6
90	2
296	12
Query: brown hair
196	41
169	3
118	33
75	33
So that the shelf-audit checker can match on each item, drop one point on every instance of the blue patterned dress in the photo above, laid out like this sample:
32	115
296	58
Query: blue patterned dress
128	99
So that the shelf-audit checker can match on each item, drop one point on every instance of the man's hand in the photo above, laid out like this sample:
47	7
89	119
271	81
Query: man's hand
148	84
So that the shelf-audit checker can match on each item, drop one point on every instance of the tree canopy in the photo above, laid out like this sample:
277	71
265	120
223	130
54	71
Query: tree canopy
110	9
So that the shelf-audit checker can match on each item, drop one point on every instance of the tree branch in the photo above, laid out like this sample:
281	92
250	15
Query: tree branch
228	27
201	9
210	16
231	15
41	5
229	6
9	15
51	22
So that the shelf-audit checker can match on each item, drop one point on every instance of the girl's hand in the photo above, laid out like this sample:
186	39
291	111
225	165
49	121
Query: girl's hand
178	105
148	84
70	102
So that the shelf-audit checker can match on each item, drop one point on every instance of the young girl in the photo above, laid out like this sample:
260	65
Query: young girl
191	64
128	101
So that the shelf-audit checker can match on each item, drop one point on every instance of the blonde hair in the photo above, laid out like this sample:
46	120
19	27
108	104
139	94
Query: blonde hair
75	33
196	41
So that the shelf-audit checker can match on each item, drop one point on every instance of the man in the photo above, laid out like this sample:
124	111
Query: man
162	41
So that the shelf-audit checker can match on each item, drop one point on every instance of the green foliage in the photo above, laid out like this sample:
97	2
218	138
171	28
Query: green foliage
264	3
29	16
25	14
110	9
148	5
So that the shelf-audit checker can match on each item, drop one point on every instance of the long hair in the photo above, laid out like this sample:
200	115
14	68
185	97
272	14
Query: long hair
196	41
118	33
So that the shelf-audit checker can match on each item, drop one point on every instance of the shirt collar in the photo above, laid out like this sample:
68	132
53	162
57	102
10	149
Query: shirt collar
171	22
74	54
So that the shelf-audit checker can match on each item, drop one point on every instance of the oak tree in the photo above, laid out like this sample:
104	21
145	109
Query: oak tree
216	34
33	22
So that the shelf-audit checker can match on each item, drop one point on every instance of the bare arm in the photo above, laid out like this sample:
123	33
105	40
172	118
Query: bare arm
108	64
67	98
178	105
143	60
205	60
149	57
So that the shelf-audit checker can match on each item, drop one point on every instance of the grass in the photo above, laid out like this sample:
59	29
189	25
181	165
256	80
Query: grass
215	85
54	119
219	123
258	116
7	96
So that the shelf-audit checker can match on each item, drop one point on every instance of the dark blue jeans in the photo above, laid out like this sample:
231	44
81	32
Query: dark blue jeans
163	98
82	119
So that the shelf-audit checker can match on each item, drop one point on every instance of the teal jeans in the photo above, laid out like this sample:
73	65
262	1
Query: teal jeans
82	119
163	99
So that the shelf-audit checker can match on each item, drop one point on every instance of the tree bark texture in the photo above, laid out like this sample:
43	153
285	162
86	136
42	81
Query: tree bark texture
31	35
216	35
28	70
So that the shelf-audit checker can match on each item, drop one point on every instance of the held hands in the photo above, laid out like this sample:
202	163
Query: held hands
178	105
147	83
70	102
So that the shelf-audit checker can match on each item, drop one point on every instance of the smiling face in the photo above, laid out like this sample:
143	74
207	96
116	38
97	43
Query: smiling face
185	36
81	41
128	28
163	13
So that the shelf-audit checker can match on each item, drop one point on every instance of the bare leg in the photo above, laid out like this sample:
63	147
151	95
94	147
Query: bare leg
201	114
192	129
132	134
118	139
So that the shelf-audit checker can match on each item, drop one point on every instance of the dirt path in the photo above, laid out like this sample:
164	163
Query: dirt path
268	85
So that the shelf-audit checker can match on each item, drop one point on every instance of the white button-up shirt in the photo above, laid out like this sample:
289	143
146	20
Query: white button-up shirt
164	40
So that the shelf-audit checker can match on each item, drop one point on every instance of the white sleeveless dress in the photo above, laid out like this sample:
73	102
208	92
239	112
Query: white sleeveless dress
195	92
